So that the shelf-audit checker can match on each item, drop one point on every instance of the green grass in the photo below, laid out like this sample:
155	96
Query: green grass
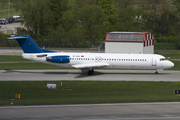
176	65
4	11
11	58
25	66
165	46
35	92
173	55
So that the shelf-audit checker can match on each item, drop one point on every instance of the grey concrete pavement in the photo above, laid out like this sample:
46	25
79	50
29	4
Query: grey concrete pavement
75	74
117	111
12	51
11	26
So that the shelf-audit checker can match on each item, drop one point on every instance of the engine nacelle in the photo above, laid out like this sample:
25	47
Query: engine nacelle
58	59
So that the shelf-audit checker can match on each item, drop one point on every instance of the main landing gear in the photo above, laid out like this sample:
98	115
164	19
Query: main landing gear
156	72
90	72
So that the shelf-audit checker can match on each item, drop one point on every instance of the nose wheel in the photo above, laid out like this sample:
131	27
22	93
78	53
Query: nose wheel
90	72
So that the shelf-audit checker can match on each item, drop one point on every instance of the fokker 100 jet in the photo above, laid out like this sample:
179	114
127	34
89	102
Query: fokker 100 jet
91	61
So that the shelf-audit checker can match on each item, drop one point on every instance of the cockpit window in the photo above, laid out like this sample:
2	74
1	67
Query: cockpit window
163	59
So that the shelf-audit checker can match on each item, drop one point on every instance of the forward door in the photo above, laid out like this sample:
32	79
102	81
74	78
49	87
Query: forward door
154	61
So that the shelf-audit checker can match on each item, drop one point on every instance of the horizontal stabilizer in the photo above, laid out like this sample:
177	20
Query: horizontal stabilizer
90	65
17	37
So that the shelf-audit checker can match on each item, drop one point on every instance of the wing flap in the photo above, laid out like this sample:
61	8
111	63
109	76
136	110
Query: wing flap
90	65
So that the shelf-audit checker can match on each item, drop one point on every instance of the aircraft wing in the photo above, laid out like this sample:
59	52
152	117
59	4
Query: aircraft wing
90	65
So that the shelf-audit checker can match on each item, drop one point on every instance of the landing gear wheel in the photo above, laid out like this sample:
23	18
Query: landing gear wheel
90	72
156	72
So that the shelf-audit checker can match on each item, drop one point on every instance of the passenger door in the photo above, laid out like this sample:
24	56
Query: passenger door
154	61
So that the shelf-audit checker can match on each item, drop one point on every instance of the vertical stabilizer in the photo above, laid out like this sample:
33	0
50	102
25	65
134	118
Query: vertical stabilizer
27	44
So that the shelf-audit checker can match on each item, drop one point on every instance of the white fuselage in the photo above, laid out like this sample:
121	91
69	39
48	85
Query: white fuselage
123	61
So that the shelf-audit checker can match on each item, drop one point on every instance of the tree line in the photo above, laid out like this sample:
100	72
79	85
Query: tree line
81	23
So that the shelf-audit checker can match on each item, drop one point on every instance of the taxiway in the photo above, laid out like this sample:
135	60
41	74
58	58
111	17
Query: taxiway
116	111
101	75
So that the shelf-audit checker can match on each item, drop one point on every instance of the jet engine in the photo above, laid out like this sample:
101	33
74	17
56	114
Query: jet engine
58	59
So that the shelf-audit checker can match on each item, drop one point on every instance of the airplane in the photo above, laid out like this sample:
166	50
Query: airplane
91	61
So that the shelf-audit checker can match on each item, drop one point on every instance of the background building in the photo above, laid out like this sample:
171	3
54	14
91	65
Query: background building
129	42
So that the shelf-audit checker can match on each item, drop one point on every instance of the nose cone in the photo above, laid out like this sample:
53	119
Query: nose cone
170	64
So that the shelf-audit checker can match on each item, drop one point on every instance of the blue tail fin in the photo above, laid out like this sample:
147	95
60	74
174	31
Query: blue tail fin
27	44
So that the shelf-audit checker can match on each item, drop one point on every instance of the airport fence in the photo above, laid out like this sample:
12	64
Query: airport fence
167	43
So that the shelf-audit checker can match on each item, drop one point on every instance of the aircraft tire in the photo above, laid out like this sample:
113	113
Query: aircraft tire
156	72
90	72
